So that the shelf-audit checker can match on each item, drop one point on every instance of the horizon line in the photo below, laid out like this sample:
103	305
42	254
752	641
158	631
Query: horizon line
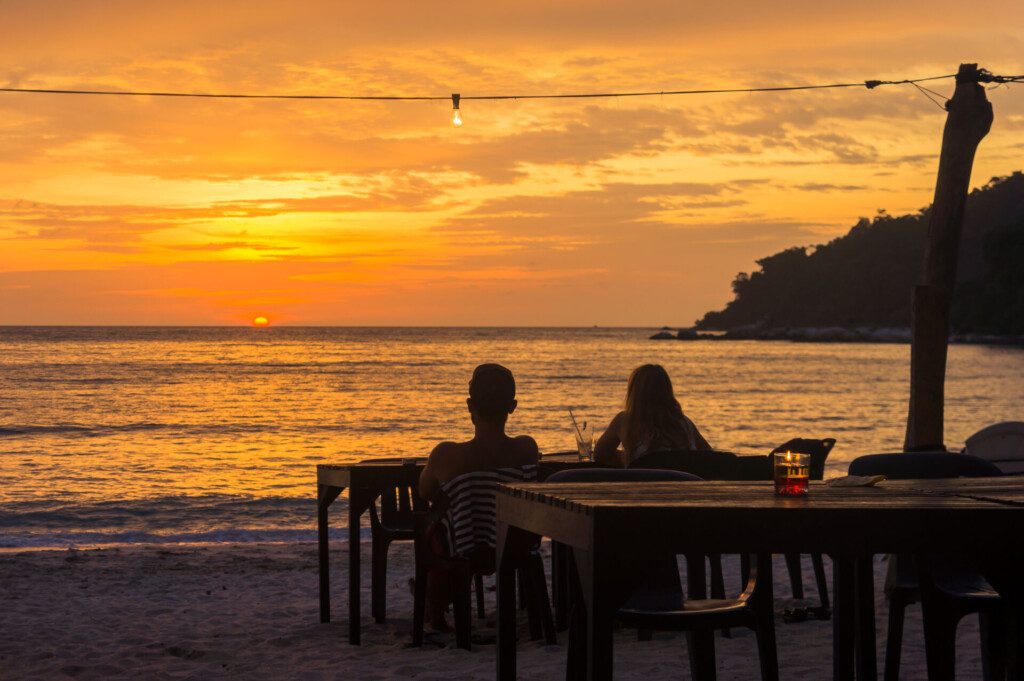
334	326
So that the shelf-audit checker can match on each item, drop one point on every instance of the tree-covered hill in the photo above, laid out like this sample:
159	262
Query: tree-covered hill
865	278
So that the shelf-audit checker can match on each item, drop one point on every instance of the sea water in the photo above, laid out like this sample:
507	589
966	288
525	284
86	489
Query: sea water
128	434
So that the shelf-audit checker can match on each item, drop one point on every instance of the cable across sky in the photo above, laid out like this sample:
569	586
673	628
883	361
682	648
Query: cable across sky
870	84
983	77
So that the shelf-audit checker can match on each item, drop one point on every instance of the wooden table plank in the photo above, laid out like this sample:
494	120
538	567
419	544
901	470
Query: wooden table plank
1007	490
689	495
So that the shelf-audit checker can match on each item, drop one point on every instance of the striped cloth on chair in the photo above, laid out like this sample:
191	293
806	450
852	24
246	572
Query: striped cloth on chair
471	517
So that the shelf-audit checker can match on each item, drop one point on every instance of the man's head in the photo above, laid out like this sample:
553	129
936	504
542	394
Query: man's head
492	393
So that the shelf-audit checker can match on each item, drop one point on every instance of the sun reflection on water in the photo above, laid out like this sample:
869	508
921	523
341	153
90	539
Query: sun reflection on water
133	413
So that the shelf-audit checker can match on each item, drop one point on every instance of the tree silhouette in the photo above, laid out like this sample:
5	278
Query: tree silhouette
865	278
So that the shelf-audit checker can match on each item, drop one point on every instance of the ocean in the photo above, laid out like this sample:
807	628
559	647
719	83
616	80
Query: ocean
113	435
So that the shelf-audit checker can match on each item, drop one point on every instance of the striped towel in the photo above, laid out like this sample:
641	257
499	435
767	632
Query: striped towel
471	518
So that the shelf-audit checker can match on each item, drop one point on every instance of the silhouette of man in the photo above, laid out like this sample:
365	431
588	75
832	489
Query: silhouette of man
492	397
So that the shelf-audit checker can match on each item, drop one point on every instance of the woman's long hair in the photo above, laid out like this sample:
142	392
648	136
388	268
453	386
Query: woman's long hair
653	415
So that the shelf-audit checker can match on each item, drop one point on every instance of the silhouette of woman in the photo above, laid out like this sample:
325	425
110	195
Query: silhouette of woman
652	421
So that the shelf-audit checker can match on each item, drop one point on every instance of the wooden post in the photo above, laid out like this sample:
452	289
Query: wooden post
968	121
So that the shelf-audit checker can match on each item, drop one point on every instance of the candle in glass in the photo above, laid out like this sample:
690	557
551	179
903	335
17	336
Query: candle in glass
792	471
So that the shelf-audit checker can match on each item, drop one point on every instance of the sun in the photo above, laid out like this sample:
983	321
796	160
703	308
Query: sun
260	321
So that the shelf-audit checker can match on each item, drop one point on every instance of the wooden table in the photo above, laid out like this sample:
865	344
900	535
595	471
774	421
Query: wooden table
365	481
612	526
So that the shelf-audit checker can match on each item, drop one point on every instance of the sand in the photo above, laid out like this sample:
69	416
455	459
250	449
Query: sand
250	610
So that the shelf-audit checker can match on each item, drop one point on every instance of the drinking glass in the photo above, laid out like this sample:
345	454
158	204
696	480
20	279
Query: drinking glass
585	442
792	472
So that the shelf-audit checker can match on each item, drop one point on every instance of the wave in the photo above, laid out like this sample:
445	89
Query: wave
177	510
31	540
75	381
131	370
33	430
212	518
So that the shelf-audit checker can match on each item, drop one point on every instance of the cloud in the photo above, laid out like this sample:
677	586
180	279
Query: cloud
594	213
530	24
230	245
828	187
562	210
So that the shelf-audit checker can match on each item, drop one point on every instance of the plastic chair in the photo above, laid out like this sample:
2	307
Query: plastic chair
663	608
560	554
948	589
818	450
395	521
460	503
586	475
1000	443
728	466
705	465
924	466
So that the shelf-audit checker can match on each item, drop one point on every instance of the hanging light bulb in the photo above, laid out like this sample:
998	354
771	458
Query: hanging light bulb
456	116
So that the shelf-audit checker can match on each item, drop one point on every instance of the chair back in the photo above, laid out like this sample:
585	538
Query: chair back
817	449
399	501
397	505
471	514
705	465
754	467
759	466
660	574
619	475
923	465
1000	443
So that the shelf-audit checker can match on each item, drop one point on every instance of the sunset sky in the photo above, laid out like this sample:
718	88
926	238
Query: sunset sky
614	212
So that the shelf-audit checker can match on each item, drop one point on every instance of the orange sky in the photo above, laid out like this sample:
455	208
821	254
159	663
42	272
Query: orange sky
612	212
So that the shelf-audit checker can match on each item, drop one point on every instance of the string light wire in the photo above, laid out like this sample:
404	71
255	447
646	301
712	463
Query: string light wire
983	76
870	84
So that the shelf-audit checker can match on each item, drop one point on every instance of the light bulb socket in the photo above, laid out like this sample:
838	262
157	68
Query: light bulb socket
455	101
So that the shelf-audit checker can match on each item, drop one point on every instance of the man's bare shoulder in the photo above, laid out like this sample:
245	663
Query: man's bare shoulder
448	459
444	452
526	449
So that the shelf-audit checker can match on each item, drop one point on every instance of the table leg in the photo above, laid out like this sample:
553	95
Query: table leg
599	599
1015	645
325	497
560	585
1003	572
354	591
512	548
843	618
506	582
576	649
867	663
700	644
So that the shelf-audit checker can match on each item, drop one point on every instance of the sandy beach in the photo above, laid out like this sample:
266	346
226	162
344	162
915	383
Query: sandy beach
250	610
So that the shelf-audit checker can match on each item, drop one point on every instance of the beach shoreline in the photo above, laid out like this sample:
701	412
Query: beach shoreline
232	610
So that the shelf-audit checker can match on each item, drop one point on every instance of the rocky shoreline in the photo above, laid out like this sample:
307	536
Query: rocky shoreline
827	334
